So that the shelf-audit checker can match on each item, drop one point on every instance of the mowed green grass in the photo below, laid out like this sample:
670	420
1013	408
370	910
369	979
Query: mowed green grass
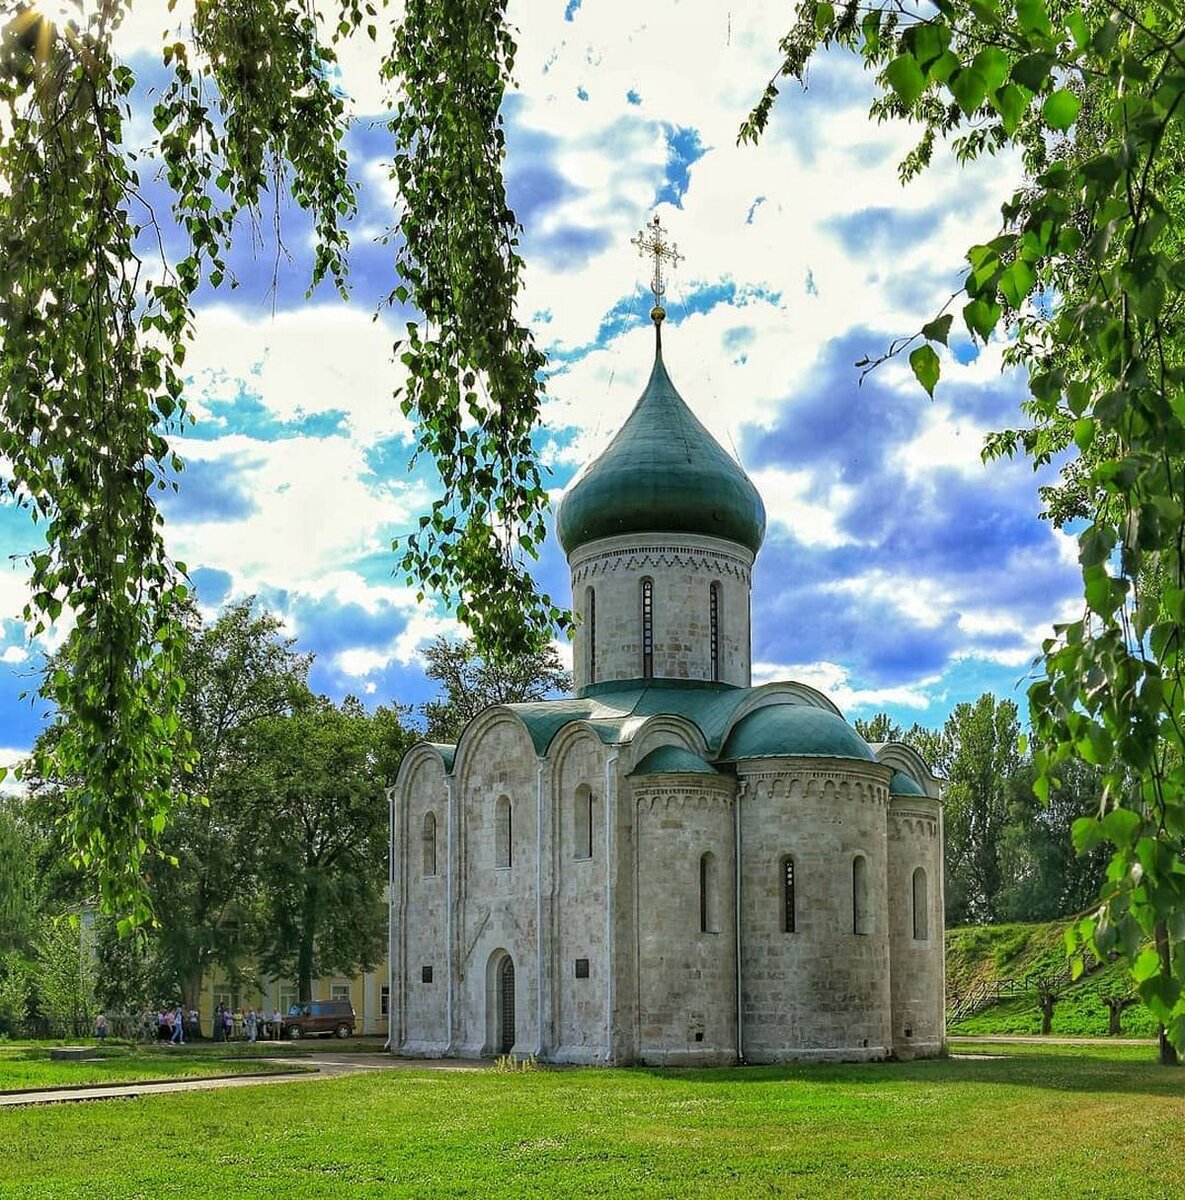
1074	1123
29	1066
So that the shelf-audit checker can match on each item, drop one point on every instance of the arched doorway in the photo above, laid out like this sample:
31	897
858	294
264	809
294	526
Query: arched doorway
505	1006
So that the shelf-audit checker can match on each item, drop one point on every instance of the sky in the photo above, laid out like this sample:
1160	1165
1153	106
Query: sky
899	573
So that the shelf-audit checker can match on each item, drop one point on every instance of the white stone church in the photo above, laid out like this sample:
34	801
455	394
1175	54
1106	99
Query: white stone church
672	867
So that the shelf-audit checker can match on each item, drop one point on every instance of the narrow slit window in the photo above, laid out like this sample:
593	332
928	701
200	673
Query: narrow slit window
503	833
582	822
921	906
709	917
429	844
860	914
714	629
647	628
590	611
789	918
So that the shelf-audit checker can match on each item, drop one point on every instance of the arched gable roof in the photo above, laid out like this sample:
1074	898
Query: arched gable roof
420	752
904	758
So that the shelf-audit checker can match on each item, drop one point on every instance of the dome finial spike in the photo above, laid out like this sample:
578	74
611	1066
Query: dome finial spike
653	241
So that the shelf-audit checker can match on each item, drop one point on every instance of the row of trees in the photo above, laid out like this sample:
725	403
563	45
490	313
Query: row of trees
277	853
1009	856
277	856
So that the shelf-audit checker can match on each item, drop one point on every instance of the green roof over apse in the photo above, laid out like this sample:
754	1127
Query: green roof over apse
785	730
610	707
663	472
673	760
904	785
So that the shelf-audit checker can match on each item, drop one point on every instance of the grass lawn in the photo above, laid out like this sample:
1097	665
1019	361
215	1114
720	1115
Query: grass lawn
29	1065
1077	1122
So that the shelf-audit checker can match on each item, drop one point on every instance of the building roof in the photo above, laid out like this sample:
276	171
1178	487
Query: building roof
663	472
904	785
791	730
673	760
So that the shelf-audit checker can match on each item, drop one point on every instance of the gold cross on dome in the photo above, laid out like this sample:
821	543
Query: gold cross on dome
653	241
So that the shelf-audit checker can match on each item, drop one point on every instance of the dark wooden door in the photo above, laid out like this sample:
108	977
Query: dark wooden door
506	1006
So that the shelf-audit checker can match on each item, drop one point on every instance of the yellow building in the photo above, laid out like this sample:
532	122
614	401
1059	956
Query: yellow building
366	992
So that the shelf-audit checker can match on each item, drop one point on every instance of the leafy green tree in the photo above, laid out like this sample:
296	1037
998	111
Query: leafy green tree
239	671
982	758
202	880
63	974
92	346
472	683
19	892
1045	878
878	728
312	786
1087	268
16	992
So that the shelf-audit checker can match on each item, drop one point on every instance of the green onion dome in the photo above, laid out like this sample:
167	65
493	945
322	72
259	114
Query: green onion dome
785	730
663	472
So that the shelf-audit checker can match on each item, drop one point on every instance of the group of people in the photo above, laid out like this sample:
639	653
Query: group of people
252	1025
170	1024
177	1025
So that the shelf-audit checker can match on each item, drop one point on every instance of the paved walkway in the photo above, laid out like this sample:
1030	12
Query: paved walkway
302	1070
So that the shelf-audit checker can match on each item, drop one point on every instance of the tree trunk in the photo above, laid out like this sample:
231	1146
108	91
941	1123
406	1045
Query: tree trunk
191	990
1048	1000
1168	1052
304	954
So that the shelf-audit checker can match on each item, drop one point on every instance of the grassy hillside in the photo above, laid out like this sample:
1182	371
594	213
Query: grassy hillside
984	953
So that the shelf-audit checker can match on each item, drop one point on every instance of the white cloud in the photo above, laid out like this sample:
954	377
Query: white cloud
834	681
310	361
788	502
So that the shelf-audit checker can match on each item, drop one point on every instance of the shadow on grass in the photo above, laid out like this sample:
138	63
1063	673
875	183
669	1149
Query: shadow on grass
1054	1072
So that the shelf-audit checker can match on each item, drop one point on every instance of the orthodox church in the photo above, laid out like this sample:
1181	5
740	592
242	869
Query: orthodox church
673	866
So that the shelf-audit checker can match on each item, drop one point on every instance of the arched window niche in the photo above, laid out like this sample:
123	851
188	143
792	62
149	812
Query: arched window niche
709	894
921	906
503	834
789	910
861	917
647	628
714	630
582	822
429	844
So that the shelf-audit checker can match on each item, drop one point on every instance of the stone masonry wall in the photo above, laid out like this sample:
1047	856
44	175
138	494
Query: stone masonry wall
497	906
822	991
579	1032
686	977
423	920
683	568
919	1014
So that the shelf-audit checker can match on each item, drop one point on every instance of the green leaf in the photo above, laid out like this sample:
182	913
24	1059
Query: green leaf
1016	282
926	367
870	27
1032	71
1011	101
981	318
1076	27
824	17
1033	17
1084	431
969	89
905	77
939	329
992	64
1060	109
